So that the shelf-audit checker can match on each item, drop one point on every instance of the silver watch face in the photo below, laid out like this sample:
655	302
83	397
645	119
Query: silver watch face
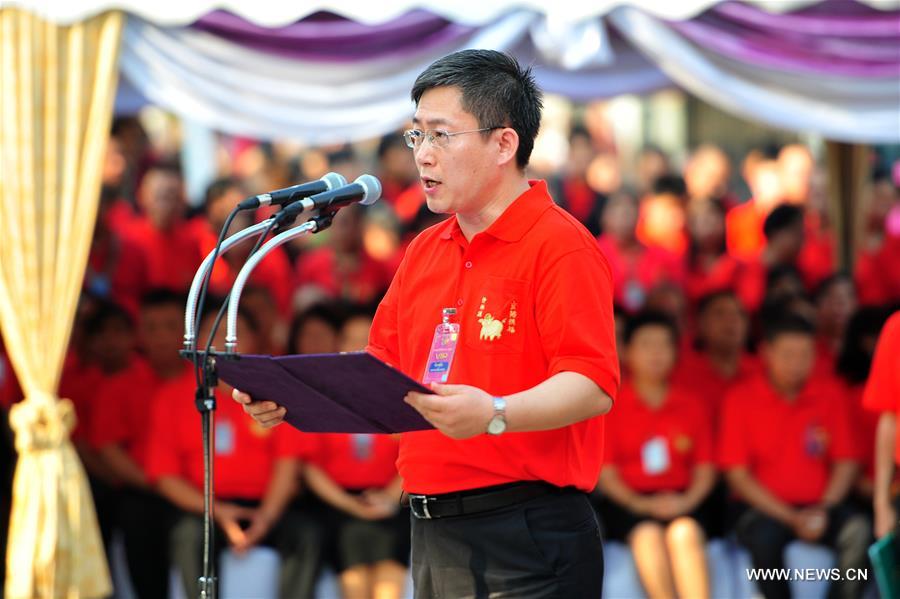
497	425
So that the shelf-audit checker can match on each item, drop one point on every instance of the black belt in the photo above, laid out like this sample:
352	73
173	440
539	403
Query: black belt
427	507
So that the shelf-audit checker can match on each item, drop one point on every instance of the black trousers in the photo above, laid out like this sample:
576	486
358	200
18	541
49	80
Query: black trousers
145	519
549	546
848	534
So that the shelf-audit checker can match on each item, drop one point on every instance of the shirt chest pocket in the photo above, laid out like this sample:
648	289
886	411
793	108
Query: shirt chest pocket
497	321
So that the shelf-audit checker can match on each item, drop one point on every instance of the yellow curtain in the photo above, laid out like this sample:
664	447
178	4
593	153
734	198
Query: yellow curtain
57	85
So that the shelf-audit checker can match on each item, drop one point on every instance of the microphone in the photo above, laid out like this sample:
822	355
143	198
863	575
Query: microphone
366	190
280	197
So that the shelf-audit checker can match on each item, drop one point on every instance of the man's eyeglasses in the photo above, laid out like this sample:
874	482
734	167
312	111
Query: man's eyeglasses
436	137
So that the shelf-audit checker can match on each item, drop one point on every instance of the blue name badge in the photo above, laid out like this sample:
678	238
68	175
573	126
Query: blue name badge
439	367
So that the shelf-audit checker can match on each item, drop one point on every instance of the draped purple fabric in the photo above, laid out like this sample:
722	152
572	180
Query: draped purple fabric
325	37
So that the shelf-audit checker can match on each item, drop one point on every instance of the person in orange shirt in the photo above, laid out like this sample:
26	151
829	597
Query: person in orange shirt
498	491
164	236
658	465
882	394
789	454
744	222
256	477
355	476
120	432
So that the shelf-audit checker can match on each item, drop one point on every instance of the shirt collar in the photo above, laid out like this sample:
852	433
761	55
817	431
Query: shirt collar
517	219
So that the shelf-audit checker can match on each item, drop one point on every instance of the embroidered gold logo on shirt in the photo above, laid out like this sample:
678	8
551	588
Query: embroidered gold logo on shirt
490	329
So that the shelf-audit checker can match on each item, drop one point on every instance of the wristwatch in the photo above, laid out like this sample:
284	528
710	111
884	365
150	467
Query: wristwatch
497	424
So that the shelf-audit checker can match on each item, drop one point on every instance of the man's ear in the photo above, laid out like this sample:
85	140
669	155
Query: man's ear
508	143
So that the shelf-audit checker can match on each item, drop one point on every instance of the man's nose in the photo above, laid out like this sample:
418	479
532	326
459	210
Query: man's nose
424	154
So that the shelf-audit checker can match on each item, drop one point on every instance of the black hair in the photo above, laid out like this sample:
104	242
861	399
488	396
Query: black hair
161	296
169	167
327	312
647	318
211	307
779	271
781	218
855	361
786	323
104	312
495	89
218	188
710	298
669	184
389	141
825	286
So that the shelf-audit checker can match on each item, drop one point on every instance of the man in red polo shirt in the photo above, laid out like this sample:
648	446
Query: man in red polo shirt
882	394
787	450
120	431
499	491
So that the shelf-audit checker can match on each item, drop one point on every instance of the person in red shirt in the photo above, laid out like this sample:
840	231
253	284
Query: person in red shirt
518	436
788	453
315	330
662	222
117	268
636	268
658	465
120	432
852	367
572	188
274	273
882	394
835	301
102	345
877	268
355	476
709	266
719	359
166	239
256	474
343	269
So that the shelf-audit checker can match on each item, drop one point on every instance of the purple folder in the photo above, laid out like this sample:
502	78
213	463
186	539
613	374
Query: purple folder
329	393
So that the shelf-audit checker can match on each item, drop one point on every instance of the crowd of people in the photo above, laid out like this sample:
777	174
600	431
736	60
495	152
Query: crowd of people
744	351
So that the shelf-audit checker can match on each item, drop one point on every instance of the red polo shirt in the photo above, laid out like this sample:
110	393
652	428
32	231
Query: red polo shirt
123	408
635	273
356	461
789	448
245	452
172	257
882	392
319	267
657	449
539	273
695	371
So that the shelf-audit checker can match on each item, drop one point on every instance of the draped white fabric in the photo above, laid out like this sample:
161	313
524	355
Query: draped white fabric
240	91
233	89
840	108
274	13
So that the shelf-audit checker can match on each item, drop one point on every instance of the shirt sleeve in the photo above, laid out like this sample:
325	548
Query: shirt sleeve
883	387
575	318
384	339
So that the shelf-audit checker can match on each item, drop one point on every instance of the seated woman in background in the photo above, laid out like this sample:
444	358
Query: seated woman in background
356	479
658	465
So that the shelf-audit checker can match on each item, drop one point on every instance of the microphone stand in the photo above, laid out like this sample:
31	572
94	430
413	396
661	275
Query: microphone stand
205	361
